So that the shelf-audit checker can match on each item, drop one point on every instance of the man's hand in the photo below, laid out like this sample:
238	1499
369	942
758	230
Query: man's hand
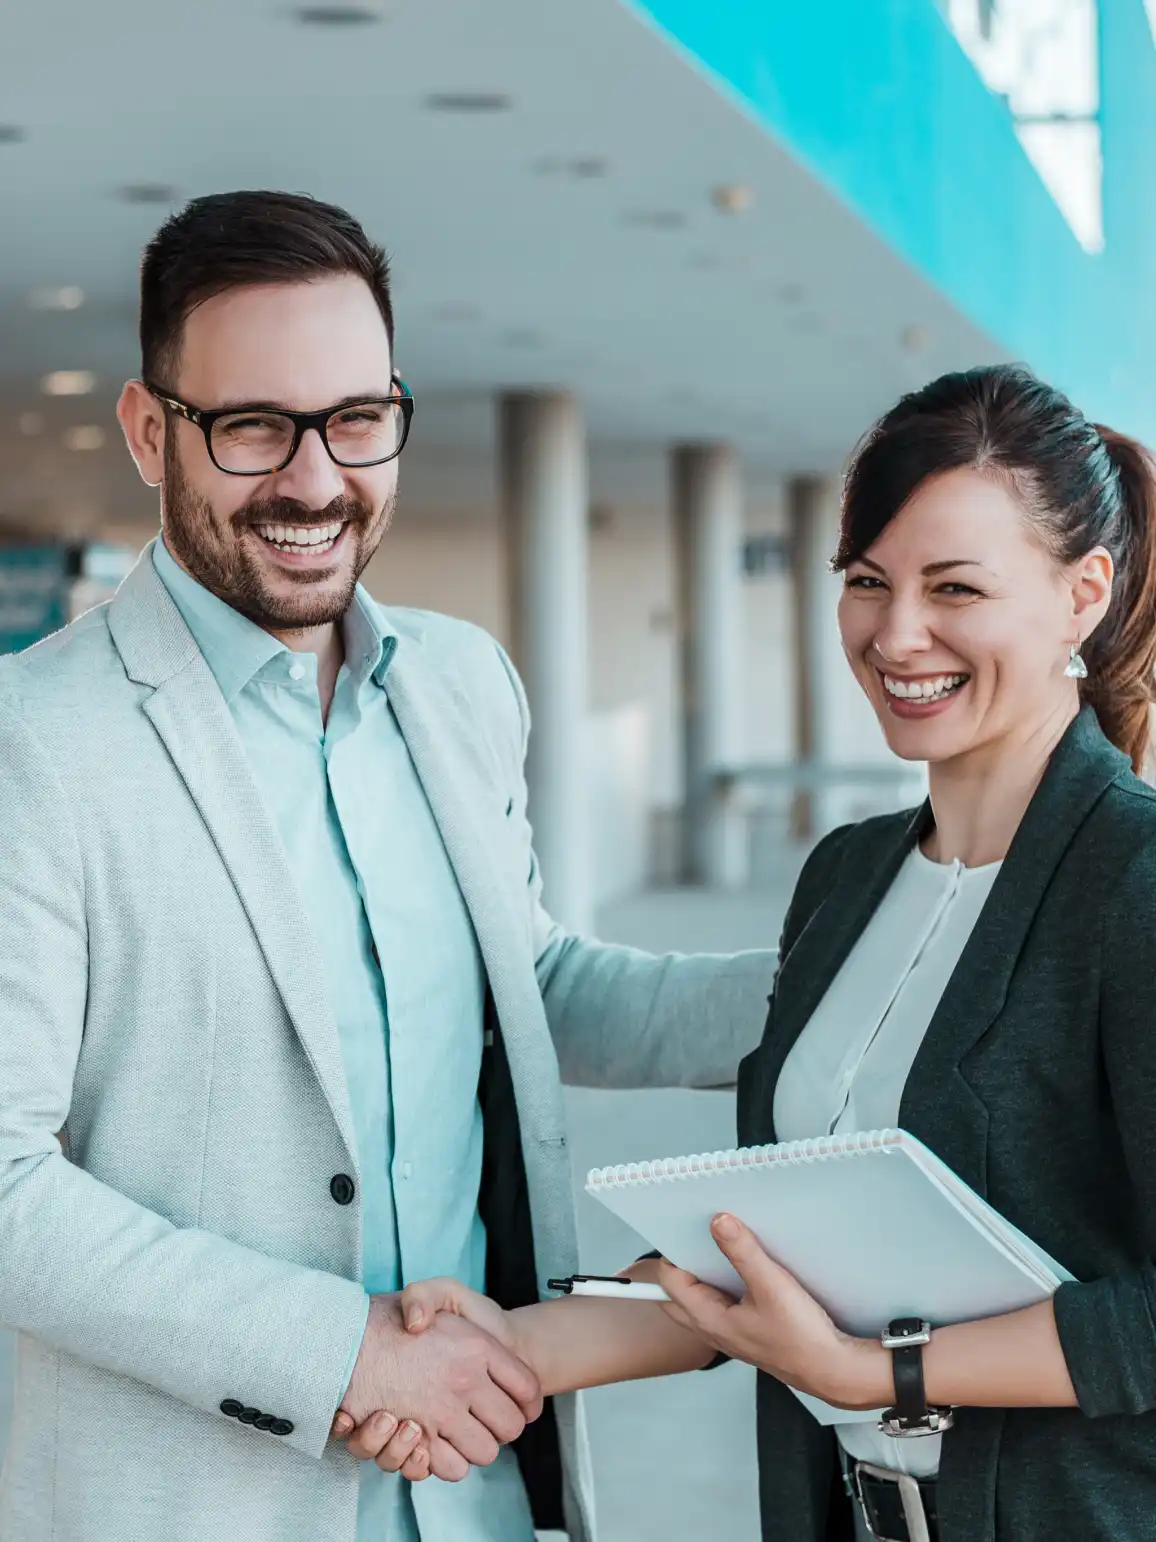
469	1393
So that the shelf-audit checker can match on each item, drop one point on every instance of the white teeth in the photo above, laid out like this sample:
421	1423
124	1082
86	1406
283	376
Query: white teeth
291	536
923	690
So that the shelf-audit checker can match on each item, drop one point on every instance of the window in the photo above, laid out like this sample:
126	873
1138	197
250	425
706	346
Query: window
1041	56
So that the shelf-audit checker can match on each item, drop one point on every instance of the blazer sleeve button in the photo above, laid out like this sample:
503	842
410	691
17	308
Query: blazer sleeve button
281	1427
249	1415
231	1407
341	1187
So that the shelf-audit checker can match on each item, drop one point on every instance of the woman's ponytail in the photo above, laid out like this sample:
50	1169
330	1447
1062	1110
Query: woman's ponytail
1121	653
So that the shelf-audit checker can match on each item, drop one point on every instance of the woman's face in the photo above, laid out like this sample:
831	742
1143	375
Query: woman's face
957	622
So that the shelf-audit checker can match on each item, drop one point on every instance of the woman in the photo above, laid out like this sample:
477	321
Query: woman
982	974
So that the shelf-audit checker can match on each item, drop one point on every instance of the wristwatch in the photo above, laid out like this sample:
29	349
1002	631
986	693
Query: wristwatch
911	1415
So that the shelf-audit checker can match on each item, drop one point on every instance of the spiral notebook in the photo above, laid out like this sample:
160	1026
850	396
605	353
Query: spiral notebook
873	1224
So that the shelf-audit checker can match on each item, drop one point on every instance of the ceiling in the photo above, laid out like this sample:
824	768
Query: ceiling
570	240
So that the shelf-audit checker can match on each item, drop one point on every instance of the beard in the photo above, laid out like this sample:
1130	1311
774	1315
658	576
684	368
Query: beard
220	557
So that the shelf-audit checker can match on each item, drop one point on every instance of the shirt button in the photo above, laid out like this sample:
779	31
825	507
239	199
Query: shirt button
297	671
407	1169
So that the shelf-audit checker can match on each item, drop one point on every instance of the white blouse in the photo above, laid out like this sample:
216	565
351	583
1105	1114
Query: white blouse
848	1068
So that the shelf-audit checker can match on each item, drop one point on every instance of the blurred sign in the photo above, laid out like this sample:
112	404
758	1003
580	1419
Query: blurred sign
34	584
764	555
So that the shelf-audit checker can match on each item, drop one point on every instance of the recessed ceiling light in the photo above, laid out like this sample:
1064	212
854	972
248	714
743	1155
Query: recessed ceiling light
66	298
656	219
337	15
10	134
580	168
731	262
733	198
30	423
468	101
68	382
522	337
85	436
149	192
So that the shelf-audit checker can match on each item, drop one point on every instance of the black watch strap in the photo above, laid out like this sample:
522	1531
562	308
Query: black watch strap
911	1414
907	1368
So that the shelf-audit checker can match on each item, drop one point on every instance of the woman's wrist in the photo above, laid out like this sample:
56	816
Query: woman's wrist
861	1377
530	1343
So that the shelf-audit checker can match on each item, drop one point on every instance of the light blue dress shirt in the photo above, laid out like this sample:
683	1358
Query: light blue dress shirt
376	884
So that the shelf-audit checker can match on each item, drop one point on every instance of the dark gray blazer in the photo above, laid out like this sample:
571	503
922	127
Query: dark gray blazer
1037	1084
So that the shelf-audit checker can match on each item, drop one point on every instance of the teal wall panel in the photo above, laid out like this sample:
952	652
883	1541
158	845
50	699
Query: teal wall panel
879	101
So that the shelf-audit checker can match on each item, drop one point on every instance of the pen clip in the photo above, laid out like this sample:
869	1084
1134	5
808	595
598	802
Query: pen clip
567	1285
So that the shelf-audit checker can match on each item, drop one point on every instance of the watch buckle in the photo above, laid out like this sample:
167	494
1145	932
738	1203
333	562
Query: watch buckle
937	1419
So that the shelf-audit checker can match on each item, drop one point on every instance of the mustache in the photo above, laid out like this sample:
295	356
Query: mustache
289	511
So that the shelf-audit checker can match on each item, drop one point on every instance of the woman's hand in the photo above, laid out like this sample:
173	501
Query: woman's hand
777	1326
379	1438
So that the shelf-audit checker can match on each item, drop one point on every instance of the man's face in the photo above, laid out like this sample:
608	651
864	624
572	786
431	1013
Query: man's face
302	346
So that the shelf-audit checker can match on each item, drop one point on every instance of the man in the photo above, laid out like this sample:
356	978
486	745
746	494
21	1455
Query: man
274	966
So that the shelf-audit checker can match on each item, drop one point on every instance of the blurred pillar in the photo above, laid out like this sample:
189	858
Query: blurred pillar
708	529
813	516
544	501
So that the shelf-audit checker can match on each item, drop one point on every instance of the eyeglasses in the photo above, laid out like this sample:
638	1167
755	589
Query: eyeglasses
253	441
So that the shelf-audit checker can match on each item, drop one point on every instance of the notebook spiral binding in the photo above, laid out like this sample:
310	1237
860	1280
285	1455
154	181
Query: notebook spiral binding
824	1148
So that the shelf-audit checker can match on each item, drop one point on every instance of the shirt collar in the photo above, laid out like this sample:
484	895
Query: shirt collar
369	642
236	648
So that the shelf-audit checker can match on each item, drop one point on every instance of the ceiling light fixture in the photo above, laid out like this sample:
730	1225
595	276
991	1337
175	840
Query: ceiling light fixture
468	101
731	262
66	298
85	436
733	198
522	337
337	15
148	192
656	219
581	168
68	382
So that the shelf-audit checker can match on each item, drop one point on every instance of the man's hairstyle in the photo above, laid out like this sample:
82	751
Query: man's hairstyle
230	239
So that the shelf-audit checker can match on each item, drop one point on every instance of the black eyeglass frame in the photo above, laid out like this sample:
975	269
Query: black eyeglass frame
204	419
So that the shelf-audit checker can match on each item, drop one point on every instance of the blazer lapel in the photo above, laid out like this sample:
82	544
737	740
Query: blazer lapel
189	713
437	721
821	948
1082	767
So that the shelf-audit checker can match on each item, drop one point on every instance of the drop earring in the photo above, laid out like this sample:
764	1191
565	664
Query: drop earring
1076	668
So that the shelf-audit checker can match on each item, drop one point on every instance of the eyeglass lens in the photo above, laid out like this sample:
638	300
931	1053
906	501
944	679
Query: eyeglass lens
260	441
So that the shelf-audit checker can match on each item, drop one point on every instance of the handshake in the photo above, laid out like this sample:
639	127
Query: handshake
449	1364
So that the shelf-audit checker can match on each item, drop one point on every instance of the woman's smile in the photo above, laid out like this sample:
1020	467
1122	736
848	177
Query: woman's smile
917	696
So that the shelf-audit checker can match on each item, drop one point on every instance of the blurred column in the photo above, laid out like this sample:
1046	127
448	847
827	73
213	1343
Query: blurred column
813	515
544	501
708	530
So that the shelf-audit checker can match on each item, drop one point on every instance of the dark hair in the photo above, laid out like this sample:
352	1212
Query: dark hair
229	239
1081	486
